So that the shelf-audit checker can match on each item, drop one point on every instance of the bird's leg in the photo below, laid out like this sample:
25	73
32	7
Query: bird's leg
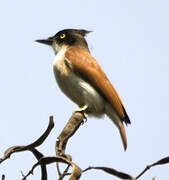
83	111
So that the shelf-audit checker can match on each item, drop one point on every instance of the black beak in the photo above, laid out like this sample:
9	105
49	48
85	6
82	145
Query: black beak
48	41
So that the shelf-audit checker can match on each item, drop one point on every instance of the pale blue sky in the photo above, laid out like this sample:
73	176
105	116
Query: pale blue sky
130	40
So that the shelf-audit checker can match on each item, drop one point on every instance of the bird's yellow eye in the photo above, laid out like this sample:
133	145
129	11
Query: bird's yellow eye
62	36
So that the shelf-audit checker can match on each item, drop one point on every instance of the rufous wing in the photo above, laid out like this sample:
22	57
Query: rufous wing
88	68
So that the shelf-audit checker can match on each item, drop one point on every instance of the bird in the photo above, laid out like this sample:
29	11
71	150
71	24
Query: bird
81	78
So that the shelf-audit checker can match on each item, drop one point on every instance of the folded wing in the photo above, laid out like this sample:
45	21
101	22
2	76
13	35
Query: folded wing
87	67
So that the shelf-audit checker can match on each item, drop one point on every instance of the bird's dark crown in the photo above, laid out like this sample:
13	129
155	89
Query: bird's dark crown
70	37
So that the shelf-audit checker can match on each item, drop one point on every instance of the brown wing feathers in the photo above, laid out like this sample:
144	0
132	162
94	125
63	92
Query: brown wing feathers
85	65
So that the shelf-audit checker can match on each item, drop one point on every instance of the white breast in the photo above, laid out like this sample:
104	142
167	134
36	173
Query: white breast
77	89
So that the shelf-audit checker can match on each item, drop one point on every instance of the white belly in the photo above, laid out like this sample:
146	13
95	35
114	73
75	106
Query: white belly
78	90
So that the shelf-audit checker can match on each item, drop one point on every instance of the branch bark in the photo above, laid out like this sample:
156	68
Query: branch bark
68	131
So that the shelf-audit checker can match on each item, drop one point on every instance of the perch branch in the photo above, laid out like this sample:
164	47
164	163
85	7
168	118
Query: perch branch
68	131
71	127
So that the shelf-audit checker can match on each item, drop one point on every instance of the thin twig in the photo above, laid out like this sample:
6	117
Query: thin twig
58	169
38	156
146	169
159	162
111	171
64	173
3	177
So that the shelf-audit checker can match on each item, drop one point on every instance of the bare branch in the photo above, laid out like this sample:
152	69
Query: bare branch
38	142
71	127
147	168
42	138
160	162
58	169
61	176
38	156
112	172
3	177
68	131
127	176
76	172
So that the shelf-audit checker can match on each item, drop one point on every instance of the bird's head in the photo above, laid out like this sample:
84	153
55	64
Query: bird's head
67	37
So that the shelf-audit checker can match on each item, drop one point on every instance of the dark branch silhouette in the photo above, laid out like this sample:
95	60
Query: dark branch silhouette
3	177
68	131
29	147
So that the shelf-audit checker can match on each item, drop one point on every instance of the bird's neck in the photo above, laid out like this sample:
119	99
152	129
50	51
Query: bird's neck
58	48
81	43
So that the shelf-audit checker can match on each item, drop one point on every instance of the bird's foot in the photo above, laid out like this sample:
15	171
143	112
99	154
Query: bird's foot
83	111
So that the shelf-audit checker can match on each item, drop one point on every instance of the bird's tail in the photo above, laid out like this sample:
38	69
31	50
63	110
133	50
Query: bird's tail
118	122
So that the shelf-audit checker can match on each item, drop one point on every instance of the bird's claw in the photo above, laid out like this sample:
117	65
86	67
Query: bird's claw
82	111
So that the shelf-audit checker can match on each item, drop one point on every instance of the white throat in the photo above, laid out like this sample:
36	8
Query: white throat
55	47
59	54
58	48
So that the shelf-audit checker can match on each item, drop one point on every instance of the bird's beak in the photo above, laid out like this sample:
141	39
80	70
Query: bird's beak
48	41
